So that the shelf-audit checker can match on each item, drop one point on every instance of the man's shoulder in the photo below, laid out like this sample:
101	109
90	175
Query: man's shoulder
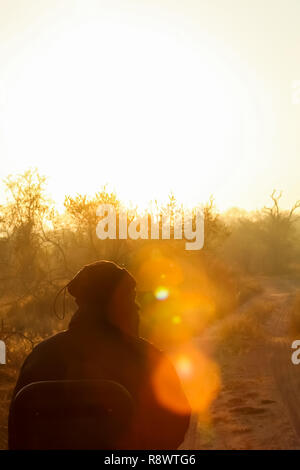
50	343
149	349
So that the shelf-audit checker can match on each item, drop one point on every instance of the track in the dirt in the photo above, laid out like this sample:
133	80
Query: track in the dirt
286	374
276	357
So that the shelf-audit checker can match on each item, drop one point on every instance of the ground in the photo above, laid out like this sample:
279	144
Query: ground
258	406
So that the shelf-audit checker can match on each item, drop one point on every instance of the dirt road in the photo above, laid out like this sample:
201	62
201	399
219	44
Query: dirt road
285	373
258	406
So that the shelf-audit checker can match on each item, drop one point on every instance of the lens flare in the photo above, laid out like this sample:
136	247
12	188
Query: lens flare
184	366
157	270
176	320
161	293
199	375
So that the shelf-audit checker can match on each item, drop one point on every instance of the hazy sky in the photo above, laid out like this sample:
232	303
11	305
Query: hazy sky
151	96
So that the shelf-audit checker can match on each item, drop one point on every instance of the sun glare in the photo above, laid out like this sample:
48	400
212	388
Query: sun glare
161	293
121	104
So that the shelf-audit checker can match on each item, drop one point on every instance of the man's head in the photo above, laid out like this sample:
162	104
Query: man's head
107	291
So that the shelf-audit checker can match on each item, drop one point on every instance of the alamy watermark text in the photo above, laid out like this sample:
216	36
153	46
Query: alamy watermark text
118	225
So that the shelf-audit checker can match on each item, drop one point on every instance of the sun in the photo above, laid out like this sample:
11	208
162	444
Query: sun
140	110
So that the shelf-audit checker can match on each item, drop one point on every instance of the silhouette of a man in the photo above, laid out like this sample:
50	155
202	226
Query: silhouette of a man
102	342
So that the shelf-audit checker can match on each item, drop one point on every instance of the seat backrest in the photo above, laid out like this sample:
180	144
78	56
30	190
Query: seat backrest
71	414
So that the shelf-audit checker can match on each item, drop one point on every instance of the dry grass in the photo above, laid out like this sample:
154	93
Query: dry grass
7	383
295	315
248	288
18	347
239	333
260	309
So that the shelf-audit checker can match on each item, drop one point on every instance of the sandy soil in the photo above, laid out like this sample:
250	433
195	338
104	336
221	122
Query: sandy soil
258	406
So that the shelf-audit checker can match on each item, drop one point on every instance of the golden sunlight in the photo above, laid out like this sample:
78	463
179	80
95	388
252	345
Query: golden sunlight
199	375
109	100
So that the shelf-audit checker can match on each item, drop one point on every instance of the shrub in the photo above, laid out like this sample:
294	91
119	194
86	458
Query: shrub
295	315
238	333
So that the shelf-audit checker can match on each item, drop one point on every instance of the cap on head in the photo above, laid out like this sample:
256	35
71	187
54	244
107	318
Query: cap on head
97	282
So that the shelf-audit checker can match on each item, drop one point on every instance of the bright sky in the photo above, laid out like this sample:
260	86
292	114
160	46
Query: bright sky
151	96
